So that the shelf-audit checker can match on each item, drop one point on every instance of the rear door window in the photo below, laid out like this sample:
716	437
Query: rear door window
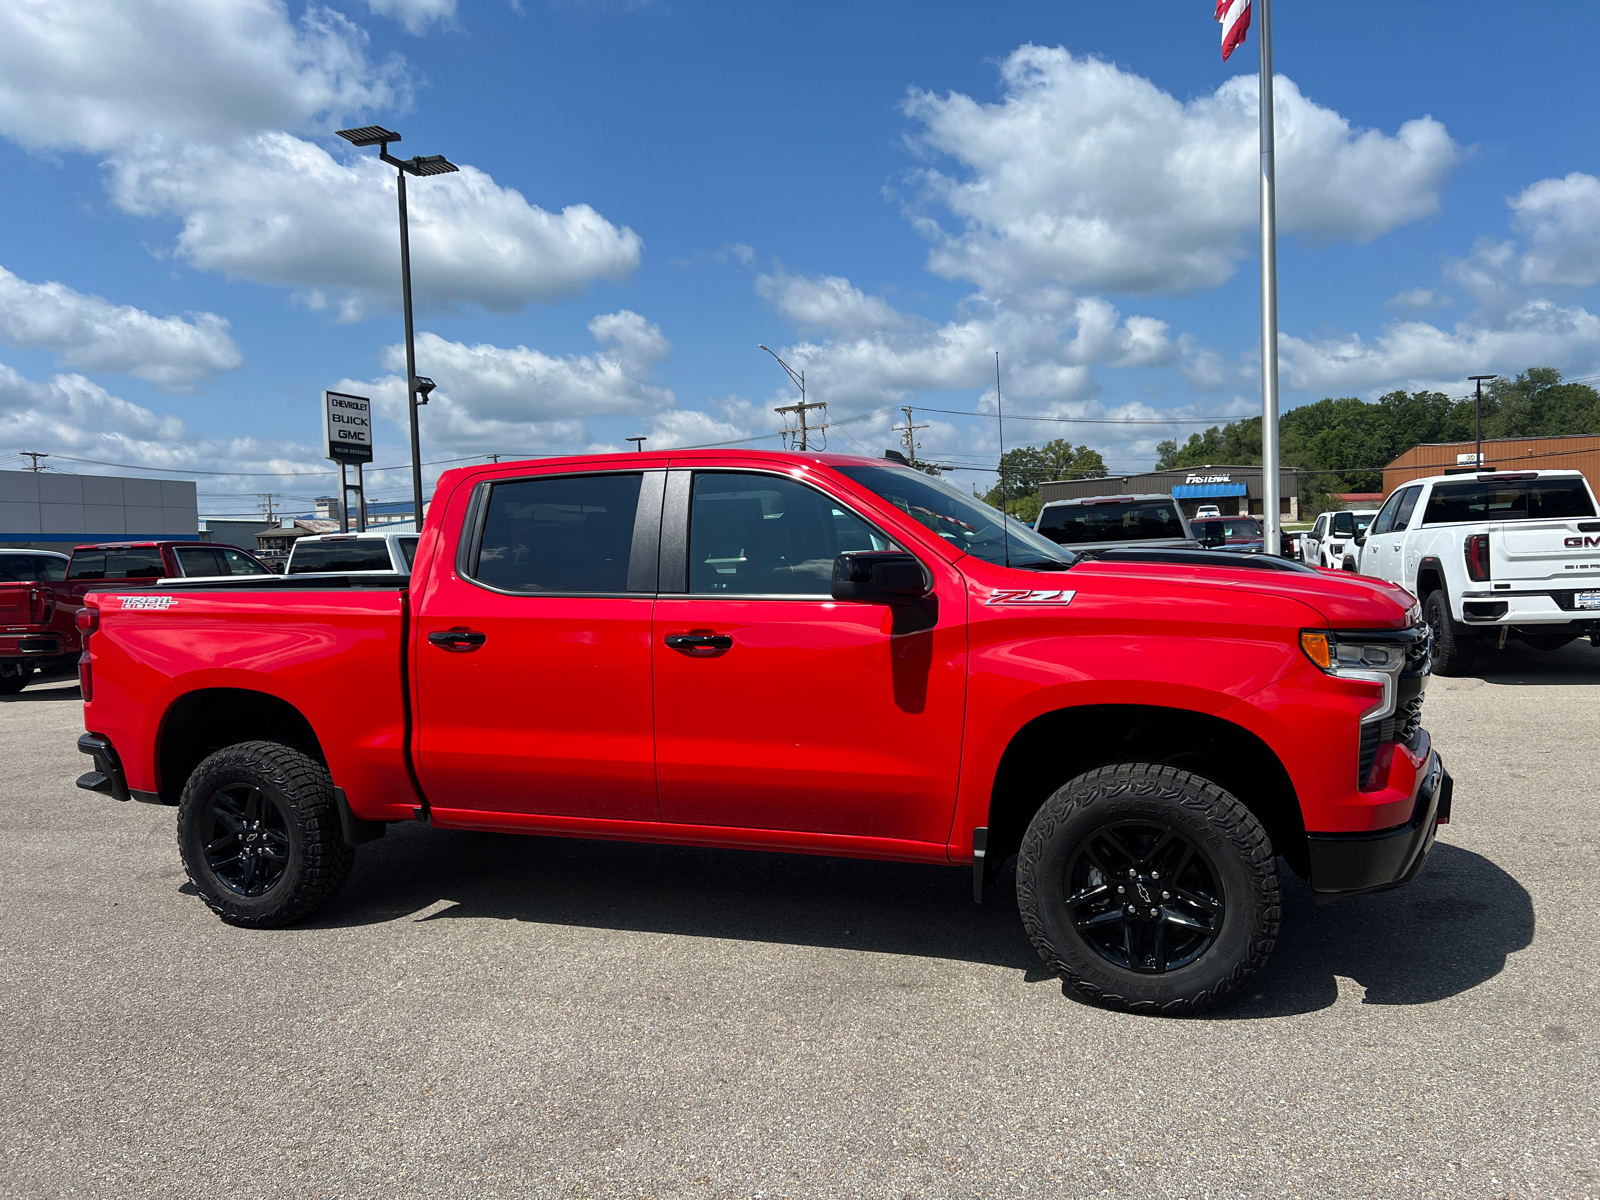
1408	502
132	562
199	560
559	534
1132	521
30	568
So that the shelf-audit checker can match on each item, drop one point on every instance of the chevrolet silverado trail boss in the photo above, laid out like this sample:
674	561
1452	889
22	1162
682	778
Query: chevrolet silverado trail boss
1492	555
806	653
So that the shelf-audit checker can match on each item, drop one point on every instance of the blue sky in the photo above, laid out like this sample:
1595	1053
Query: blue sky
883	193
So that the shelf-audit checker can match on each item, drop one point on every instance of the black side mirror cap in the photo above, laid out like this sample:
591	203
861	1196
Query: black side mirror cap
879	577
1360	537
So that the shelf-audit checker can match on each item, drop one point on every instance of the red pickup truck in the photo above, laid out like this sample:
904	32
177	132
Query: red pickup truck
806	653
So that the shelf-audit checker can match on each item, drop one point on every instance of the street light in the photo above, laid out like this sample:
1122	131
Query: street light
1478	414
802	407
417	386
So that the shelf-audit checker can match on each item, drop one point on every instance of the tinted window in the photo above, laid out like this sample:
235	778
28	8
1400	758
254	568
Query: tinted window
408	548
1511	500
964	521
200	560
238	563
764	535
1408	502
1232	528
358	554
1125	521
134	562
1385	518
563	533
31	568
1344	523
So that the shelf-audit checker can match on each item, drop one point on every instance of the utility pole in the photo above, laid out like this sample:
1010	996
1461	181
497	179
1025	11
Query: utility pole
911	435
801	408
1478	414
36	456
268	505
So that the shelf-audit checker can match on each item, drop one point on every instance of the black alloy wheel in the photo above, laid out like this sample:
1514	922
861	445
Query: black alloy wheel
260	834
247	846
1145	897
1449	653
1148	888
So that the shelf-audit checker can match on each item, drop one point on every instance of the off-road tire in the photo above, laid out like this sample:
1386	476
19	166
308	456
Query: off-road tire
301	792
14	680
1452	653
1224	832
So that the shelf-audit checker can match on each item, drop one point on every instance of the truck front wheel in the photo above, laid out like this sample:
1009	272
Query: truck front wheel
260	837
1148	889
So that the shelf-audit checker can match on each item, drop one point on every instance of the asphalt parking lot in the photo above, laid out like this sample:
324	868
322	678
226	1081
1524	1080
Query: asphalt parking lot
491	1015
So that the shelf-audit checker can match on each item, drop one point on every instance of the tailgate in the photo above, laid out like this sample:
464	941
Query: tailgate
1545	550
14	607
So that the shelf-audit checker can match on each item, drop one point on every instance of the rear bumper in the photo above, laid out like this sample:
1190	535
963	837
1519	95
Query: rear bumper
1350	864
1544	606
31	645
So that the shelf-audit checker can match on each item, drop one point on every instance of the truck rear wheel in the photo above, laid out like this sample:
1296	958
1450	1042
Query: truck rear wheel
1452	653
1148	889
260	837
14	676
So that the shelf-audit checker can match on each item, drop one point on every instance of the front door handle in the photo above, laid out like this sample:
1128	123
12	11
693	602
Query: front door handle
457	639
699	641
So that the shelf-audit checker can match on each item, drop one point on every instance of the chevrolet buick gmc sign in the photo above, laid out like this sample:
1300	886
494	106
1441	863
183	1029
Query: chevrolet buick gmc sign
349	422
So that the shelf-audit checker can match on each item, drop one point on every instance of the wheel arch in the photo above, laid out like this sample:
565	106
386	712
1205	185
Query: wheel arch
1431	578
1060	745
201	722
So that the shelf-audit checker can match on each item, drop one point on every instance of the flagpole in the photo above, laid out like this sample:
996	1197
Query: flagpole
1269	298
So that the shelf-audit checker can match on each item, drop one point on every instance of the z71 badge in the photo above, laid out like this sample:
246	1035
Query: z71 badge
147	601
1044	597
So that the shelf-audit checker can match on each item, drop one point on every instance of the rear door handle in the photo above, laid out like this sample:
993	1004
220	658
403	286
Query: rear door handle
699	641
458	639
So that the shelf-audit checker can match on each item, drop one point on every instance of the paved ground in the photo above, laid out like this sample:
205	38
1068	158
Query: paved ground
485	1015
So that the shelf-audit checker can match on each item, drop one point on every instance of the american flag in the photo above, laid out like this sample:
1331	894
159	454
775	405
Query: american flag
1234	16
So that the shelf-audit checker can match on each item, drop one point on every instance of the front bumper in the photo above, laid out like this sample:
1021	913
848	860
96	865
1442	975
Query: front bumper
1351	864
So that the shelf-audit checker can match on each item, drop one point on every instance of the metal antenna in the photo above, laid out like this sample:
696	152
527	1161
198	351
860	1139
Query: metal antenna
1000	414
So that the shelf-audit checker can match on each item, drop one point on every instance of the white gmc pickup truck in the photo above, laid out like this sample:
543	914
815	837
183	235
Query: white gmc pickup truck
1492	555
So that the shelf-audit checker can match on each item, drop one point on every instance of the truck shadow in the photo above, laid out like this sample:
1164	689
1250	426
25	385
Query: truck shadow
1445	934
1576	662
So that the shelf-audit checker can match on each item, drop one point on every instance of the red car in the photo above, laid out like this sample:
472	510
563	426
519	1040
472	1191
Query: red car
806	653
28	582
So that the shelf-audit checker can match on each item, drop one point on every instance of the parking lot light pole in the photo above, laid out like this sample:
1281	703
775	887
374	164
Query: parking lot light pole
417	387
1478	414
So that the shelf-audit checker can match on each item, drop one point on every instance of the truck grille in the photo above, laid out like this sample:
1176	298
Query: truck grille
1406	723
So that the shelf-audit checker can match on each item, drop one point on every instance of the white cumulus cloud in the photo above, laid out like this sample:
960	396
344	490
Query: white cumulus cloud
1085	174
415	15
198	108
1561	219
92	334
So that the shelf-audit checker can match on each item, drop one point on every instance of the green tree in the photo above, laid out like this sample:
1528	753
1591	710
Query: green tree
1024	469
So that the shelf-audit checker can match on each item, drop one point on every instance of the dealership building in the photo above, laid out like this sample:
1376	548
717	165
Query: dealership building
1234	490
51	510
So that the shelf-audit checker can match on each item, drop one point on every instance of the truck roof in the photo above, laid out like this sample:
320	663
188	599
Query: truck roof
1494	476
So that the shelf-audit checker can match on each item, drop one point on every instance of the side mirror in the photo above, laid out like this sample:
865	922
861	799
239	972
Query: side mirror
1360	537
879	577
1211	534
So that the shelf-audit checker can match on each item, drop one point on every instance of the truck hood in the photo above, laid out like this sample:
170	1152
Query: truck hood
1343	599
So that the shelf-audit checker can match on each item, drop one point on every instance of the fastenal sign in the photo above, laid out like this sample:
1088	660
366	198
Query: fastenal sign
349	424
1194	479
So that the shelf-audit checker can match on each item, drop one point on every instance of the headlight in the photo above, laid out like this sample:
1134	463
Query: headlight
1370	656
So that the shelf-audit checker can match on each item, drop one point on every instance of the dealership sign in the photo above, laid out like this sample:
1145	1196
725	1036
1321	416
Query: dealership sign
349	425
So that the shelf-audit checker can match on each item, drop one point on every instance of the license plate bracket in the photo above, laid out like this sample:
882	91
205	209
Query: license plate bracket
1586	599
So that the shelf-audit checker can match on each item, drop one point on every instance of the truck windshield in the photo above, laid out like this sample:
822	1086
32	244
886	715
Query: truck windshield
1508	500
1122	521
964	521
